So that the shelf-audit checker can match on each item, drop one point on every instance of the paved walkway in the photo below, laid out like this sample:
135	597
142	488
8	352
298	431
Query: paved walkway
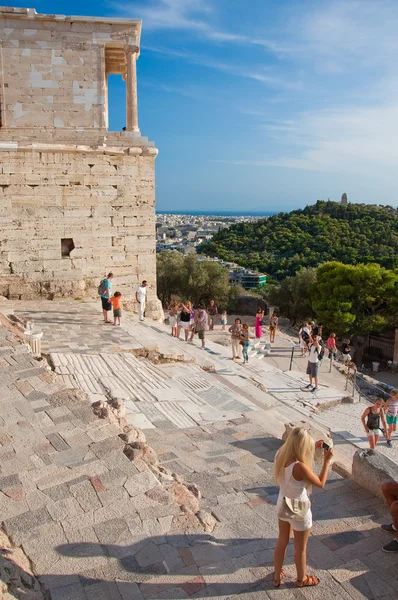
80	346
96	527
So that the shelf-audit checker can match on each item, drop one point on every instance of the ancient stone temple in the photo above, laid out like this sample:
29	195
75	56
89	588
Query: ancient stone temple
76	200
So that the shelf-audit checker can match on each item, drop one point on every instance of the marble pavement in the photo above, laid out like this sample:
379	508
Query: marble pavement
62	481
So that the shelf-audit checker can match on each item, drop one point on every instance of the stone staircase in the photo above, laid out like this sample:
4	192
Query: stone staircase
167	382
188	386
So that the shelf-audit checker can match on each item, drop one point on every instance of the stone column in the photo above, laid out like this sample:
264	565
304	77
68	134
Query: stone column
131	88
102	120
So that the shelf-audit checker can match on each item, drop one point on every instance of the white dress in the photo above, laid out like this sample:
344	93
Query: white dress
294	489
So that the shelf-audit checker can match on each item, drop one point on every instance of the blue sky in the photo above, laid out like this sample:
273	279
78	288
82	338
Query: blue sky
263	104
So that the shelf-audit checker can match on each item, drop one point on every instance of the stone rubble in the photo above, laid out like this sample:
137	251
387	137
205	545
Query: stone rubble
16	577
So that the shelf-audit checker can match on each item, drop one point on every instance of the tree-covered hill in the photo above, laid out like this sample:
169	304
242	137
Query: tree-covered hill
282	244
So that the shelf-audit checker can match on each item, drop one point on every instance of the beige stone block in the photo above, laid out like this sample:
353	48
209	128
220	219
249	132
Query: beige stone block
60	264
104	236
23	255
17	167
104	181
130	243
50	254
86	252
30	266
118	259
75	213
104	168
5	204
33	179
79	263
130	221
117	222
74	274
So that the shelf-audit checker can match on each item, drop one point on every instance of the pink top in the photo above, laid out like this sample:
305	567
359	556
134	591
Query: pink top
331	343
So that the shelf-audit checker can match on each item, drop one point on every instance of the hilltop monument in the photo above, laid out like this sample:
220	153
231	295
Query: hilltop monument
76	200
344	199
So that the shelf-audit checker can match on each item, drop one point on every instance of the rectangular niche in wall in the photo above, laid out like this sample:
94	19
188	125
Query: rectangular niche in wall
67	246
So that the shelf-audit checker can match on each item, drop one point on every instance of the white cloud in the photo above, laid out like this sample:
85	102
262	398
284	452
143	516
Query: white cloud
347	34
170	14
354	39
189	15
258	73
354	140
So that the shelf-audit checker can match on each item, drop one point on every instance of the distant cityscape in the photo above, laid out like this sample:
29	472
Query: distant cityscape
186	232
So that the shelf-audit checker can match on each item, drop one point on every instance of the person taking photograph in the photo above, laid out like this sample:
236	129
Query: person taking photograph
293	471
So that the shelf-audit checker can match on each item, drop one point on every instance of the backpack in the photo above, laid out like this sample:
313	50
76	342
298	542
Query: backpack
321	351
305	336
102	288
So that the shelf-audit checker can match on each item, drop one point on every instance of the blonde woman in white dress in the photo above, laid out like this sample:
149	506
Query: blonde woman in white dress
295	477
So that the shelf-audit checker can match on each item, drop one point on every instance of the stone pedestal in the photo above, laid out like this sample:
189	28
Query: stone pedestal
370	469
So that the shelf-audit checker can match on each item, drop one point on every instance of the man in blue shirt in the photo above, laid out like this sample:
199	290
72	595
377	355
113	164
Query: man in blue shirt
106	305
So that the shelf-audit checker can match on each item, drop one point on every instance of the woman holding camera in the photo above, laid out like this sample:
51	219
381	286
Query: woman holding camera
295	476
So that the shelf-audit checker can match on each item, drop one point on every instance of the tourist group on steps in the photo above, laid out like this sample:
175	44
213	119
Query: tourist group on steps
381	418
293	466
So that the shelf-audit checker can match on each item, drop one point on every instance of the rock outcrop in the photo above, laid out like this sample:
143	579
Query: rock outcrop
185	495
16	577
248	305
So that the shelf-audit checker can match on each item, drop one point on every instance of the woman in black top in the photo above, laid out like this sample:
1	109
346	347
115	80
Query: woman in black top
184	319
345	350
371	422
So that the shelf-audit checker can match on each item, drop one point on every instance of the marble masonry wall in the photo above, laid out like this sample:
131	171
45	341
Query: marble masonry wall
76	200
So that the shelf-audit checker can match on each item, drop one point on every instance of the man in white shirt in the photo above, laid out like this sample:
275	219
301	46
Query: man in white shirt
313	363
140	296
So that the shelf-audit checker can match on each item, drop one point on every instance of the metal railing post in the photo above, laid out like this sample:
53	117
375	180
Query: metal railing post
291	359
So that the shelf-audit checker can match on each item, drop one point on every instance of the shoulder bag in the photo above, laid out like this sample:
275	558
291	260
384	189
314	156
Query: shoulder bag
292	508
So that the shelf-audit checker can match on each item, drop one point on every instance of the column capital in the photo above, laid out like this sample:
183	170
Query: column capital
131	49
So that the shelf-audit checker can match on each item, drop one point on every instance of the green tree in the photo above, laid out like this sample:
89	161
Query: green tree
169	273
293	295
354	299
197	280
284	243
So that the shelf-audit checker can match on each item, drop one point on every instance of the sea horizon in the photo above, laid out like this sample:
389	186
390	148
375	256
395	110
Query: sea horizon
218	213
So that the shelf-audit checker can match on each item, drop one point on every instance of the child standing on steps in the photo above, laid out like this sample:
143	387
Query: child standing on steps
371	422
116	302
391	409
245	341
223	320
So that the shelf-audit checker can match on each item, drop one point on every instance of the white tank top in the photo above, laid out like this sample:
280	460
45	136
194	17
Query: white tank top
292	488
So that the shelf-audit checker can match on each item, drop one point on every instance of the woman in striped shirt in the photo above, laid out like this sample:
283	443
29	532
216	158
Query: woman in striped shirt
391	409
